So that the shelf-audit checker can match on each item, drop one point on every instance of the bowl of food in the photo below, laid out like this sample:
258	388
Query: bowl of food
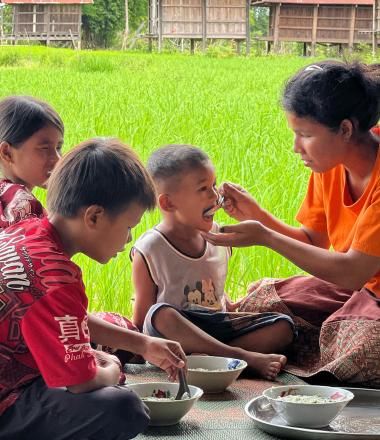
308	406
159	397
212	373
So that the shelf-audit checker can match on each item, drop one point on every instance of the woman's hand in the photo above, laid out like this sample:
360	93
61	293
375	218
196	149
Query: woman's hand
238	203
168	355
243	234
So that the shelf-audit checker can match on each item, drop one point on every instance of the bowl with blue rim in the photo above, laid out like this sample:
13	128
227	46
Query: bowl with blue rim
213	373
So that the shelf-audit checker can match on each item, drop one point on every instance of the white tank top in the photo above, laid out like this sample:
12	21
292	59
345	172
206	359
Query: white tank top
184	281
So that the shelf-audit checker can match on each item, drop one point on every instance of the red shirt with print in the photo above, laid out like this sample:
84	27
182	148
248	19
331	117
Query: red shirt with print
43	312
17	203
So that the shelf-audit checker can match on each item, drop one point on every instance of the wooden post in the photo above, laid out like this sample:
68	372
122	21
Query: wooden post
159	25
248	28
150	24
238	47
314	30
15	24
151	17
352	28
126	26
1	25
79	45
374	43
375	25
126	30
377	20
47	16
34	19
192	45
276	26
304	49
72	39
204	25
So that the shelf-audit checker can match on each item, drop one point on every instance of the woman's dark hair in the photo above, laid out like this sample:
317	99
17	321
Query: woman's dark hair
331	91
103	172
22	116
175	159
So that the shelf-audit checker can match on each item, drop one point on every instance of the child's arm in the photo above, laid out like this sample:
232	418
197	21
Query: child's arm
145	290
66	358
168	355
107	374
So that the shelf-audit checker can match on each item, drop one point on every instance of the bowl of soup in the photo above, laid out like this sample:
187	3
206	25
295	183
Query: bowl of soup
159	397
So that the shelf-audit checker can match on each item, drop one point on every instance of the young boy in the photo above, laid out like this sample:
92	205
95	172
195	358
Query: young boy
52	384
179	278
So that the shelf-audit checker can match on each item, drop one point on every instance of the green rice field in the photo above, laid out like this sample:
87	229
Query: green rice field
230	107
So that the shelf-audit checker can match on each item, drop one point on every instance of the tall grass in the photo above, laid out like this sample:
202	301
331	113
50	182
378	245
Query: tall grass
230	107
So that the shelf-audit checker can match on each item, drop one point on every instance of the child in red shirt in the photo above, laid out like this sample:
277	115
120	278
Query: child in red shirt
31	138
52	383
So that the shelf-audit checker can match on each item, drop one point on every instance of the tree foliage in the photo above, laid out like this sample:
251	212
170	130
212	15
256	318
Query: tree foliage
104	19
138	11
6	15
259	21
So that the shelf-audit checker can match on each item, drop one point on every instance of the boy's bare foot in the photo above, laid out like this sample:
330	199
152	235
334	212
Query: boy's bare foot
265	365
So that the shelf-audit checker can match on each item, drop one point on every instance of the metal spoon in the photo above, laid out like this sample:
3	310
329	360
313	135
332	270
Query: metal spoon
183	390
219	204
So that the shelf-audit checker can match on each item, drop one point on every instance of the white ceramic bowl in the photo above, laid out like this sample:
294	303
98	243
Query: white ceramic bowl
212	373
165	412
308	415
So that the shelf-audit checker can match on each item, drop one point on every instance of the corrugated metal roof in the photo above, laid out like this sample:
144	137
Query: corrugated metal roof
47	2
315	2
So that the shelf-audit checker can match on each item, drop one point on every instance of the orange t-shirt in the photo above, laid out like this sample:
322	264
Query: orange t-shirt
328	207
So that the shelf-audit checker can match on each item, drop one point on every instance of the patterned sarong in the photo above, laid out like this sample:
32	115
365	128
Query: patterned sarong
338	330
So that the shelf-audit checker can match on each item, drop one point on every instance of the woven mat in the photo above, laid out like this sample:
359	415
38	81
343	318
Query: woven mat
214	416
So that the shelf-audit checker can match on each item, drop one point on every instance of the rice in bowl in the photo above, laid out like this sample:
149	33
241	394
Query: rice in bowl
308	406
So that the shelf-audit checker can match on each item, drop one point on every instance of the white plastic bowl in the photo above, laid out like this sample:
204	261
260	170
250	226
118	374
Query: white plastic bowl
209	378
165	412
308	415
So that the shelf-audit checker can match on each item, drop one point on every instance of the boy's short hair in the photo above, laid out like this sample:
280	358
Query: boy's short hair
175	159
100	171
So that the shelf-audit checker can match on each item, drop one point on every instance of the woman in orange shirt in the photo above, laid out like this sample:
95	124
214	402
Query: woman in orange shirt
331	108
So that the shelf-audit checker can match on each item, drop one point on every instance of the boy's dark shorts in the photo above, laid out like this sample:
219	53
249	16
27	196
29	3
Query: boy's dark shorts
223	326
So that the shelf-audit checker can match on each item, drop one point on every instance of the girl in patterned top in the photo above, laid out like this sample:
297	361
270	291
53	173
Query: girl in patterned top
31	138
